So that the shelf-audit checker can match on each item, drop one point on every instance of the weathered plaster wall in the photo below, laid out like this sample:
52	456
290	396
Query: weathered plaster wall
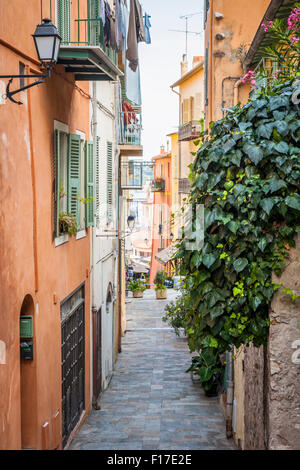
284	361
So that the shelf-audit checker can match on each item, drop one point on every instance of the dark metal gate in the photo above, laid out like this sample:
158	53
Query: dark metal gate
97	345
73	340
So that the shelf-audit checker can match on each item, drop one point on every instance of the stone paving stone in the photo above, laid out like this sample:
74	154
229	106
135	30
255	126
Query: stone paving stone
152	403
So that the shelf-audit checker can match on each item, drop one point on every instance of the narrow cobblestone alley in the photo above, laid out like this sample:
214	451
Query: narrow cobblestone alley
152	403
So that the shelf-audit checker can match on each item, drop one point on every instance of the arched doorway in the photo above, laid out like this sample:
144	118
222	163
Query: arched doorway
27	374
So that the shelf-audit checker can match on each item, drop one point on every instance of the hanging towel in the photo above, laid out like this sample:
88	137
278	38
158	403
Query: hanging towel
136	33
107	25
147	26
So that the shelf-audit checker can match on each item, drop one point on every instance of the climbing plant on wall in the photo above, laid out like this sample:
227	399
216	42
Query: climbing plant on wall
247	176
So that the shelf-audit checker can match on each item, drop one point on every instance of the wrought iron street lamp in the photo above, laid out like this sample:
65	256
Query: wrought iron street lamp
47	44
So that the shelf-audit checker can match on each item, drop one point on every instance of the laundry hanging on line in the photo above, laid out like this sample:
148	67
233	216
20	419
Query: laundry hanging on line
147	26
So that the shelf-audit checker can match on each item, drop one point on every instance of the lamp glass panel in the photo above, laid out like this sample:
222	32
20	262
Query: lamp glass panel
56	51
44	46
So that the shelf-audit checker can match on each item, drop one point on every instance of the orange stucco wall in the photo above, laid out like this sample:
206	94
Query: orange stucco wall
239	25
164	200
30	263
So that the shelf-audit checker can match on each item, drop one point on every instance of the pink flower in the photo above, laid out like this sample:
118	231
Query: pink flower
267	26
294	19
249	77
294	40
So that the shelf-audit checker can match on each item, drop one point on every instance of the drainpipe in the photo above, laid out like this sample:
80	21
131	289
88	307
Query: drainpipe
230	388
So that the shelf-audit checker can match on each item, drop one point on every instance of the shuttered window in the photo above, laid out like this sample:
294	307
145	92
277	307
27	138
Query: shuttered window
186	106
191	110
198	106
74	176
94	26
63	19
206	75
109	174
89	183
60	167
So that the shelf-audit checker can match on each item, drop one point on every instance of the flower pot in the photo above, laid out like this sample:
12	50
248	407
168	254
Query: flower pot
161	294
138	294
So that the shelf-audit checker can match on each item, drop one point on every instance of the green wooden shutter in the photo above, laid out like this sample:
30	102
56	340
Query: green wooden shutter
109	173
56	167
97	180
74	149
94	26
63	20
206	75
89	183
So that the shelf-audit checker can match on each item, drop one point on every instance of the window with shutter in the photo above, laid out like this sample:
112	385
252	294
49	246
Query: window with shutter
56	165
191	110
206	75
185	111
89	183
60	177
109	173
97	181
74	176
63	11
94	26
198	106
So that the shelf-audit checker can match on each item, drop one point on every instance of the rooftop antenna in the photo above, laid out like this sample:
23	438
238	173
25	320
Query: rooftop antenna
186	31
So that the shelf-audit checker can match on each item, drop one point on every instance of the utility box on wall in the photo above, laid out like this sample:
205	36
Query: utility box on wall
26	349
26	335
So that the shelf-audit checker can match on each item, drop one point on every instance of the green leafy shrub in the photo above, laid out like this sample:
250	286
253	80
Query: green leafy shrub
68	223
175	313
247	176
159	280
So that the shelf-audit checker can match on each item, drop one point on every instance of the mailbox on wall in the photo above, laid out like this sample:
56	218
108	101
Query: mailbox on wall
26	335
26	350
26	327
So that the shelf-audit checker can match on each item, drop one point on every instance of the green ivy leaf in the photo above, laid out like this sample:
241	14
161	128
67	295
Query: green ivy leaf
254	152
209	259
240	264
267	204
293	201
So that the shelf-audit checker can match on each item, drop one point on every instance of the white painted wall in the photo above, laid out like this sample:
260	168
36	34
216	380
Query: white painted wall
104	262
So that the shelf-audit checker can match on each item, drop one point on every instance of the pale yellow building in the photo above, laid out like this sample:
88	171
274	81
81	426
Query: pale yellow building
190	90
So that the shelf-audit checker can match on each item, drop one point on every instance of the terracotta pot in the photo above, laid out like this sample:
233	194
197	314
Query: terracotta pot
161	294
138	294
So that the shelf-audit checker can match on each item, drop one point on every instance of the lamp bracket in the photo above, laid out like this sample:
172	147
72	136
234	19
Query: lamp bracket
9	94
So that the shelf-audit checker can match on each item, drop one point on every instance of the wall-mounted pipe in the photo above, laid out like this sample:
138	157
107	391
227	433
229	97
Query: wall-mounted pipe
230	390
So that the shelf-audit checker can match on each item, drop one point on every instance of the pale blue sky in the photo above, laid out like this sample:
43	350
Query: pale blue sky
160	66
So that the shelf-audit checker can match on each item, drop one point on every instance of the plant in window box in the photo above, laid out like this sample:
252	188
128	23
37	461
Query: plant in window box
137	288
67	223
159	281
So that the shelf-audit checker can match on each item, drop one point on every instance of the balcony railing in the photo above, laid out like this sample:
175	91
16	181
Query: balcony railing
268	68
131	128
158	185
184	186
189	131
78	31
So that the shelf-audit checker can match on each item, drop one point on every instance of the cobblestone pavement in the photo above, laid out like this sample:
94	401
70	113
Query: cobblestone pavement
152	403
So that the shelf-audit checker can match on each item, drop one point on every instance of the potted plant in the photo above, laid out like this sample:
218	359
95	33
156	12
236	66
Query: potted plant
159	281
137	288
208	368
67	223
